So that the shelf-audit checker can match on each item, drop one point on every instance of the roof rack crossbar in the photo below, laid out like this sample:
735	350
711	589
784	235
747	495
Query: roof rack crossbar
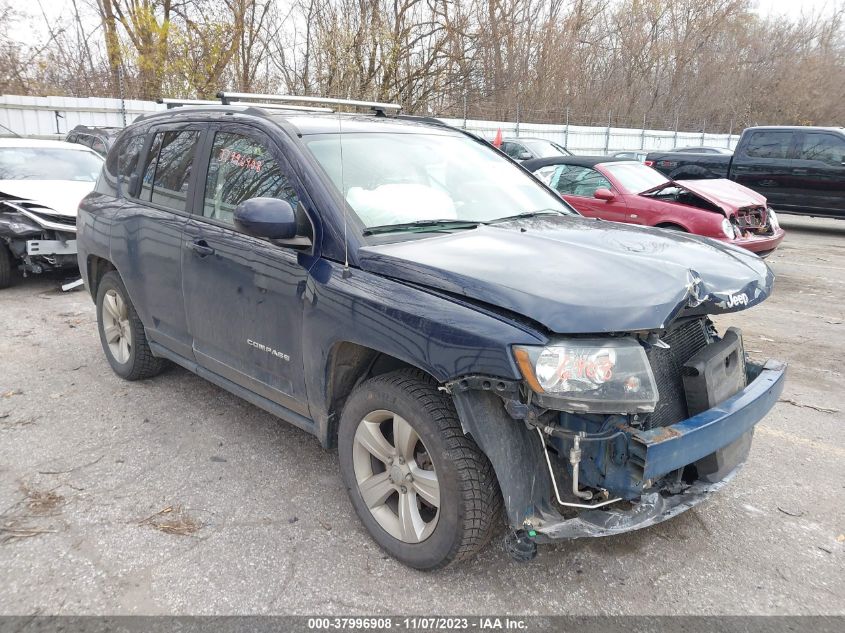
227	97
278	106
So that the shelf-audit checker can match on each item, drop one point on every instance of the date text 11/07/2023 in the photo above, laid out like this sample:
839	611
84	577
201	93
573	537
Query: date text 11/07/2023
480	623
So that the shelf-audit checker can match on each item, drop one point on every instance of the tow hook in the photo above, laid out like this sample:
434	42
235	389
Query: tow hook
520	545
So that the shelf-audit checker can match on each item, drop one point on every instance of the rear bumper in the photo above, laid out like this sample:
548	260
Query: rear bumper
717	439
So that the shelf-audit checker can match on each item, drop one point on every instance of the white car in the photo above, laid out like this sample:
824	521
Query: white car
41	185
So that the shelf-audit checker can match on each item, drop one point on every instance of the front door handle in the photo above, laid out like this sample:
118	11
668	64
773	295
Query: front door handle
200	247
800	170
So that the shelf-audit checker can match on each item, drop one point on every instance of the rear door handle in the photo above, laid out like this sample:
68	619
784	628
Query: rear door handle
200	247
799	170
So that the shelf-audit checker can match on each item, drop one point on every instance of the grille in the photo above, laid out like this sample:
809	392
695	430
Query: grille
684	341
753	220
52	217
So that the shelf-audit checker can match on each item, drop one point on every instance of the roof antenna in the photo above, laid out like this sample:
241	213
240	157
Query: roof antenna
346	274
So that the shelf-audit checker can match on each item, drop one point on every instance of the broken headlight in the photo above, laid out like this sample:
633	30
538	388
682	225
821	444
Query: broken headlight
728	229
773	219
590	375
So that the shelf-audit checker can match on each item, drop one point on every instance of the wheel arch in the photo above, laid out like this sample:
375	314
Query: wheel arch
348	365
96	267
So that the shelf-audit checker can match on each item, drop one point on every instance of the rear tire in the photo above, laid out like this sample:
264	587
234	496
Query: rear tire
5	266
122	333
447	526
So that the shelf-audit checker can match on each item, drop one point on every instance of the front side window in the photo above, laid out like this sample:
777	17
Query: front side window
827	148
635	177
242	168
579	181
396	178
168	169
769	144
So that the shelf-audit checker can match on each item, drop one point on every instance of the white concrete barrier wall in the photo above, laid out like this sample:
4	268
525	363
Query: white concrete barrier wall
36	117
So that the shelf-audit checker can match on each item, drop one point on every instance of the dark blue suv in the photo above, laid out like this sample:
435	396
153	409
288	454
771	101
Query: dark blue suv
472	346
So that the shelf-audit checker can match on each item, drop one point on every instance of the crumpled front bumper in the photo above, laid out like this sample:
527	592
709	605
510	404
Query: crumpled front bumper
721	434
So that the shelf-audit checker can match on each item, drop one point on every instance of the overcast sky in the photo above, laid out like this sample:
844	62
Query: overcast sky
793	8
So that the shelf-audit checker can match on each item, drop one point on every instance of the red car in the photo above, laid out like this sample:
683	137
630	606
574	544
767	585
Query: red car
628	191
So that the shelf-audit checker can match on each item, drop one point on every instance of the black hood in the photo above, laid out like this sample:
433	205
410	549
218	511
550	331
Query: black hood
577	275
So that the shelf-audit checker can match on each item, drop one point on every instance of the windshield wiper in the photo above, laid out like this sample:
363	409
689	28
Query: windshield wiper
447	224
526	214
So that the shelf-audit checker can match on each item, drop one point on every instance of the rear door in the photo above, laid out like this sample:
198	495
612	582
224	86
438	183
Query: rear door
147	229
819	170
243	294
764	163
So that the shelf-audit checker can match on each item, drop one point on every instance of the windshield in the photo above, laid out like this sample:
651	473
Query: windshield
48	163
544	149
635	177
392	179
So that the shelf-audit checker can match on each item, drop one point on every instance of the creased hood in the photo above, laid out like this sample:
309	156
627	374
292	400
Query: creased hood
725	194
61	197
578	275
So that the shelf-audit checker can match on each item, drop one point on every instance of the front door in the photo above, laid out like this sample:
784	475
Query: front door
243	295
578	185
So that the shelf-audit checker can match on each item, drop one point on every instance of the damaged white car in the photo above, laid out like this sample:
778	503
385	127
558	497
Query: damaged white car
41	184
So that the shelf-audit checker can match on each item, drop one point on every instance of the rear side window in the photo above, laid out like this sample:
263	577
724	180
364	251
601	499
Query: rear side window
769	144
242	168
827	148
127	160
98	146
168	169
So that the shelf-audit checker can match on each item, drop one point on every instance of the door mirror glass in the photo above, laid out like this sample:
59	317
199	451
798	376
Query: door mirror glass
523	155
266	217
604	194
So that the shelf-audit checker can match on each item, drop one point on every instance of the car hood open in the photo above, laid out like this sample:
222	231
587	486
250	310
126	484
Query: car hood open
579	275
61	197
724	194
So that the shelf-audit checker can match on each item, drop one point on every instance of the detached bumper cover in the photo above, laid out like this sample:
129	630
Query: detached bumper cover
724	428
672	447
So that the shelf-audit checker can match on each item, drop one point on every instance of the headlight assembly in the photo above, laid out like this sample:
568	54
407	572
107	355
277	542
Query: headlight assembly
727	229
773	219
610	375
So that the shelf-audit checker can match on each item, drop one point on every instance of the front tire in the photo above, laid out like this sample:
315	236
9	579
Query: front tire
122	333
425	492
5	265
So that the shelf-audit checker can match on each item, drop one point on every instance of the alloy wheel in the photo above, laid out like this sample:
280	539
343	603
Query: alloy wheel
396	476
116	326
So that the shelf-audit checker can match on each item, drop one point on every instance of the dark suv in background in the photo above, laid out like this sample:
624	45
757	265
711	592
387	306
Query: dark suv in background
100	139
411	296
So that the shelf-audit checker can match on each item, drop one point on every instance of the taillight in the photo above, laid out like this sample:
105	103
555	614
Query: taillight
648	163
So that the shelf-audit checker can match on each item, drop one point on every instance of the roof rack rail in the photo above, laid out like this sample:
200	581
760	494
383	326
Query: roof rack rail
227	98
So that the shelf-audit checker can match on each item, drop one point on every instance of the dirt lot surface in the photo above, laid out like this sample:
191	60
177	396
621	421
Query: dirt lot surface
172	496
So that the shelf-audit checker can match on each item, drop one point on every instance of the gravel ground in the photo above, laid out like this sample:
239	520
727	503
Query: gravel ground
170	496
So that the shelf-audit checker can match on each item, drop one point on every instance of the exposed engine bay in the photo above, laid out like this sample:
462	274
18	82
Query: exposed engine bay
38	238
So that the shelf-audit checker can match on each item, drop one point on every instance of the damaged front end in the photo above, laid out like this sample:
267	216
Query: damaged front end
748	220
38	238
577	456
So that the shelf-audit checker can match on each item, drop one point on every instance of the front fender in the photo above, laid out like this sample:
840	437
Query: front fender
428	331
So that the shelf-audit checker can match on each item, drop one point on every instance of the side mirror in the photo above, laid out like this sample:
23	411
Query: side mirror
604	194
523	155
266	217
